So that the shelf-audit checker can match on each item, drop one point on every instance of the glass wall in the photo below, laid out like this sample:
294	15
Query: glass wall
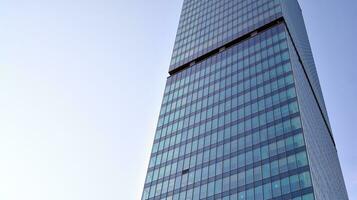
230	128
206	24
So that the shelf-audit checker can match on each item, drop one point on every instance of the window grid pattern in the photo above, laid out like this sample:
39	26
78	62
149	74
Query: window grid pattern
207	24
243	74
230	128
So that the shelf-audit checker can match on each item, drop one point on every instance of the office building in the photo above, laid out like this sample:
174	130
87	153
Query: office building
243	116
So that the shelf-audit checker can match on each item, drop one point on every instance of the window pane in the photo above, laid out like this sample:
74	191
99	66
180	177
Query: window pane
276	188
301	159
267	191
294	183
305	180
285	185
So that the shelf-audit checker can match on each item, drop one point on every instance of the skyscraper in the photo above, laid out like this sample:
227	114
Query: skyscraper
243	116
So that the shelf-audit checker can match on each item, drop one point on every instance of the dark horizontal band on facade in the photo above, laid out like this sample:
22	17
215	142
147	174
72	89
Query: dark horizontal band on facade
227	45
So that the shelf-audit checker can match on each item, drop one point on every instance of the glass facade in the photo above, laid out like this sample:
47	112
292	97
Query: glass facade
232	125
206	24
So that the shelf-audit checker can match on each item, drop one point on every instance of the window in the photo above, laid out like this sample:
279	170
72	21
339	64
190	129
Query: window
257	173
294	183
213	154
241	195
234	164
257	156
241	179
219	168
293	107
301	159
299	141
218	186
274	168
234	181
198	175
234	146
265	152
292	162
295	123
285	185
210	189
289	143
249	157
285	56
205	173
281	146
272	149
250	194
305	180
267	191
276	188
241	160
226	165
225	184
227	149
191	178
256	138
308	197
259	192
203	192
266	171
177	182
212	170
283	165
249	176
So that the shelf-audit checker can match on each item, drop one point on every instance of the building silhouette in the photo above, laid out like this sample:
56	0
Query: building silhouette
243	116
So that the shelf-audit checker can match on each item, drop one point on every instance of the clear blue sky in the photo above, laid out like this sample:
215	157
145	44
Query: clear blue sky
81	84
